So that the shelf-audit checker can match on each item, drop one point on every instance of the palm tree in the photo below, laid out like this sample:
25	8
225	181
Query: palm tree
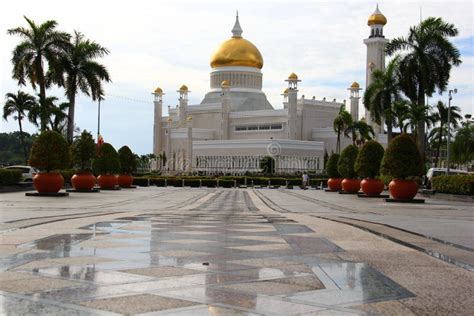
83	73
441	117
340	124
17	105
360	131
417	115
427	64
55	116
41	45
400	113
381	93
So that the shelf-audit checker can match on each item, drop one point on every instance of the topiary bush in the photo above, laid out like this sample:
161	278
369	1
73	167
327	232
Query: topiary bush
455	184
267	165
331	166
402	159
128	163
345	164
106	161
368	160
10	176
50	151
83	151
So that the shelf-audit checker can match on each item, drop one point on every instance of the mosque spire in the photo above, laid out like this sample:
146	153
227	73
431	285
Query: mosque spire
237	30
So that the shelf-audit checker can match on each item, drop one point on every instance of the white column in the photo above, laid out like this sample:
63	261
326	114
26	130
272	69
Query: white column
189	151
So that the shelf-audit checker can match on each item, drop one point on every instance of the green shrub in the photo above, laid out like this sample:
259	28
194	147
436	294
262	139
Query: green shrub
317	181
67	174
345	164
10	176
368	160
226	183
267	165
50	151
128	163
331	166
83	151
402	159
106	161
455	184
141	181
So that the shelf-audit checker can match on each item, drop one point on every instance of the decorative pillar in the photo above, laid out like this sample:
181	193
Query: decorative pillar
292	105
189	151
354	97
157	128
169	157
183	105
225	110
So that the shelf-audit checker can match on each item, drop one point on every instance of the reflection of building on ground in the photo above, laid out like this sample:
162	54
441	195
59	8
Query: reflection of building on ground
234	126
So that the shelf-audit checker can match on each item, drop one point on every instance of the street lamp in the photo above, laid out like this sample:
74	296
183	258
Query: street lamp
449	126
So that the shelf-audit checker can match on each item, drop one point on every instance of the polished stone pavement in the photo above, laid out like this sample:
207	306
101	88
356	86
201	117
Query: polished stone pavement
168	251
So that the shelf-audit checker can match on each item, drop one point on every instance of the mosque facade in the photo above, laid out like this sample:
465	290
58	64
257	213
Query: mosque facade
235	126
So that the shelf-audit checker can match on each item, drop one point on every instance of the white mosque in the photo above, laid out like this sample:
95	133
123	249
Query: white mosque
234	126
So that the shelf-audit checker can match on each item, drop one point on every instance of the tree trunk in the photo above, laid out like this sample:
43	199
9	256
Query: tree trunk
338	145
22	139
42	85
421	125
70	119
439	144
389	132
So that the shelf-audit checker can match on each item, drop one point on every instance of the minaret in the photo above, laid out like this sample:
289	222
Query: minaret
354	97
285	98
375	53
292	105
189	149
225	111
157	137
183	104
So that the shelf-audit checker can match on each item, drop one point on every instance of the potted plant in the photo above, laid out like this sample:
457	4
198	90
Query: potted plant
345	166
367	166
334	181
106	164
402	162
49	153
83	151
128	164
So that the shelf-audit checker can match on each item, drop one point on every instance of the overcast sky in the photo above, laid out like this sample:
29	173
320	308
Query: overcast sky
168	44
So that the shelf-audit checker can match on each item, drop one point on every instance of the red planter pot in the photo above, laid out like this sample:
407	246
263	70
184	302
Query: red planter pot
372	186
125	180
403	189
48	182
350	185
83	181
335	184
107	181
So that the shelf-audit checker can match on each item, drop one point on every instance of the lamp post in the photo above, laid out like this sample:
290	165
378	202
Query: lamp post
449	126
98	121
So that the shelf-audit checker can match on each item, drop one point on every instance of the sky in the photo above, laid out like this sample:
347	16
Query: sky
167	44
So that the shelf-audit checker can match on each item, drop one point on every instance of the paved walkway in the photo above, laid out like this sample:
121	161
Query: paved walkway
167	251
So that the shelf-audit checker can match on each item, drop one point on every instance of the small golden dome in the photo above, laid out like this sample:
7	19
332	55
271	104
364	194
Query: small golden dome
189	118
225	84
293	76
285	91
183	88
237	51
355	85
169	120
377	18
158	90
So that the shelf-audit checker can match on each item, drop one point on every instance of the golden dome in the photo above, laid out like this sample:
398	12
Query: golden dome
293	76
225	84
377	18
237	51
285	91
183	88
169	120
355	85
158	90
189	118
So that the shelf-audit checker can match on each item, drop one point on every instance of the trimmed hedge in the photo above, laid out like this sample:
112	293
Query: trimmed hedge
368	160
10	176
455	184
67	174
50	151
402	159
331	166
346	162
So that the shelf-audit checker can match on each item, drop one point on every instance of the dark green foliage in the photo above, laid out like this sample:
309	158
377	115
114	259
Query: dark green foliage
128	162
368	161
345	164
50	151
67	174
83	151
11	150
455	184
107	160
267	164
10	176
402	159
331	166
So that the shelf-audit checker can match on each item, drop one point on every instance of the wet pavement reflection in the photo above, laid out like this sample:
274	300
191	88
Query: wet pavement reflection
221	258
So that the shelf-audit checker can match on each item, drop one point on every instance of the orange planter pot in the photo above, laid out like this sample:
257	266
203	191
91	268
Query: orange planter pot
372	186
107	181
335	184
48	182
403	189
125	180
83	181
350	185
